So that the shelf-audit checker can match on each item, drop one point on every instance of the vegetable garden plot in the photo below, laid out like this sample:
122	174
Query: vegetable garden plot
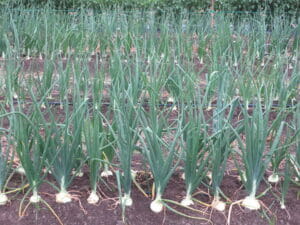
182	120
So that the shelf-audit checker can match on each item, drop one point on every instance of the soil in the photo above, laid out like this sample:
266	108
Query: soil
108	211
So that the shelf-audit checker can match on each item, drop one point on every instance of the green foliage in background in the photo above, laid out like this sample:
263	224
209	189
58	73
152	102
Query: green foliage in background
289	6
256	5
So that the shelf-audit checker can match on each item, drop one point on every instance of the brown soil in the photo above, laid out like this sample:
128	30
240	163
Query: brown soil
108	212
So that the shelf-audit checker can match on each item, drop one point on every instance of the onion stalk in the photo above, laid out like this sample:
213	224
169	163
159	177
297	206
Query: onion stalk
280	149
286	183
295	159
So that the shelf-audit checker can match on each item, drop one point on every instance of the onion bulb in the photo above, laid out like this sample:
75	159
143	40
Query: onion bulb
157	205
183	176
251	203
93	198
187	201
170	99
209	175
218	204
133	174
274	178
127	200
35	198
106	172
3	199
63	197
20	170
77	173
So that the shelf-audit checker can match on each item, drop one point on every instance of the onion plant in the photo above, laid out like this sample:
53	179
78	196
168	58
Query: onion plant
159	152
64	148
196	153
31	148
97	84
220	144
295	158
31	144
286	183
98	143
253	153
284	89
6	159
221	135
282	150
126	87
126	138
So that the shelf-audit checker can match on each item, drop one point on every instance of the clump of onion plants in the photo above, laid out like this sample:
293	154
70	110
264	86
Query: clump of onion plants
65	157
